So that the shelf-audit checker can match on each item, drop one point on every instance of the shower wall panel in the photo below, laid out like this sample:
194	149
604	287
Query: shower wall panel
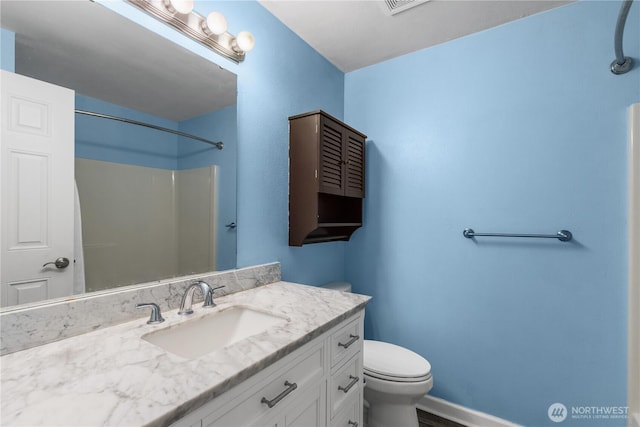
196	213
128	223
140	224
634	266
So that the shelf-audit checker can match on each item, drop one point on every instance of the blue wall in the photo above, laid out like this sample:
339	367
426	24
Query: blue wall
8	50
521	128
281	77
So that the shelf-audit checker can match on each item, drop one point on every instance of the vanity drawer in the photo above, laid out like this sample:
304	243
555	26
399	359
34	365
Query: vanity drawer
277	390
346	341
345	384
350	416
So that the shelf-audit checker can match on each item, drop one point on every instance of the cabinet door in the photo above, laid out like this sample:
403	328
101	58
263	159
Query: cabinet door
309	410
351	416
345	385
303	372
353	154
341	160
332	165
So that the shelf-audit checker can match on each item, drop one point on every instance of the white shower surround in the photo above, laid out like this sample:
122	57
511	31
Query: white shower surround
634	266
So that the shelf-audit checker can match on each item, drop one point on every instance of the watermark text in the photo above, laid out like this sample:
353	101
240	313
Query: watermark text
558	412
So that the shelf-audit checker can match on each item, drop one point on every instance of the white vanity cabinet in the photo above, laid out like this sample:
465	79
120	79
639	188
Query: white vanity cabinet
318	385
345	382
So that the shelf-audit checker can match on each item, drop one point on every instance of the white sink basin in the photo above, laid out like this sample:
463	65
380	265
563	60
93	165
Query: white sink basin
197	337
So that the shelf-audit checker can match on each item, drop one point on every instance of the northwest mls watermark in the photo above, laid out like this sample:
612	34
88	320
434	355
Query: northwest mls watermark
558	412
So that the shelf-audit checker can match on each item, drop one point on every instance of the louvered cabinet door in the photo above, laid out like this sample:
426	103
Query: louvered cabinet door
354	164
332	165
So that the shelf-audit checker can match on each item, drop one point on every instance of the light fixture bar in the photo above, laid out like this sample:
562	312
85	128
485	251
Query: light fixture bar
191	25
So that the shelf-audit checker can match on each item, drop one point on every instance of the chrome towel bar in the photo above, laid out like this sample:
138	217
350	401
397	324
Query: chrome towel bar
562	235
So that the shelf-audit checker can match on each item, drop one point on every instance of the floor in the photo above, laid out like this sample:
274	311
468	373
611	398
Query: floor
426	419
430	420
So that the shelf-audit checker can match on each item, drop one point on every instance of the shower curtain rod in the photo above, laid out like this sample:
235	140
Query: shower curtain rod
622	63
218	145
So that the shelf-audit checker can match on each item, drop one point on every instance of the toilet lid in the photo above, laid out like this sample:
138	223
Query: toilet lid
370	374
389	361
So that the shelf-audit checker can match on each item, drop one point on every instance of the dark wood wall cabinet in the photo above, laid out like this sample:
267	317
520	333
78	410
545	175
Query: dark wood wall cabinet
326	178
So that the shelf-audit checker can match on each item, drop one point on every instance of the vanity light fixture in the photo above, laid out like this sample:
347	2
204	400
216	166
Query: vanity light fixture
179	6
215	23
244	42
210	31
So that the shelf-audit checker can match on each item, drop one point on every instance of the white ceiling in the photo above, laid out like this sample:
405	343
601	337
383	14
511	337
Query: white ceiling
356	33
108	57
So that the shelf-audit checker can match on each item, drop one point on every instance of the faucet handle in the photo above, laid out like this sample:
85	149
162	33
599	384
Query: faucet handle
208	297
156	315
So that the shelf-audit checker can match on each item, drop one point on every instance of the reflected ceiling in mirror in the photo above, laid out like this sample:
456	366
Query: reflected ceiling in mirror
118	67
86	47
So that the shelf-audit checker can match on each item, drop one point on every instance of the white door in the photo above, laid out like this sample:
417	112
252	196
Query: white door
37	186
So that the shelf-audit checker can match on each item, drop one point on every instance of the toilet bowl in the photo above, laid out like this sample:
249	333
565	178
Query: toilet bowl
395	380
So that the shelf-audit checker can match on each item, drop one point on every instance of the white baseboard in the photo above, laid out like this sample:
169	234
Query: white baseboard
461	414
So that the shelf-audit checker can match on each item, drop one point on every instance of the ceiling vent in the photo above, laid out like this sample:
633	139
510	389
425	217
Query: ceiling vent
394	7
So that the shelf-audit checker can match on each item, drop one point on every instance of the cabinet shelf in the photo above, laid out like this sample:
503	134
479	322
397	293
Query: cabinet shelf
326	178
332	238
339	224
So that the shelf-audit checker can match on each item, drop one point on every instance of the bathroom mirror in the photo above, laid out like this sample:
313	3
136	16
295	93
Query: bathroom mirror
184	210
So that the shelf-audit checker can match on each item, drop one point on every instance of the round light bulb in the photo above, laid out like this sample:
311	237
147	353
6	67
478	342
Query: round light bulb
182	6
216	23
245	41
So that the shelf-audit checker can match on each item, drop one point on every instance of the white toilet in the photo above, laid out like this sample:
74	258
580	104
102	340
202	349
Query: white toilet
395	380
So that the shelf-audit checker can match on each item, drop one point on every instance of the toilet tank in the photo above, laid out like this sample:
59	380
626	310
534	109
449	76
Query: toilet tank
338	286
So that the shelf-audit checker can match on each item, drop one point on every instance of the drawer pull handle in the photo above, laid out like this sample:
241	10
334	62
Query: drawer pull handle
354	381
353	339
353	423
273	402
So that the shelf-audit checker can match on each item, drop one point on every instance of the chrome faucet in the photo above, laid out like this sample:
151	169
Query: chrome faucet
207	294
156	315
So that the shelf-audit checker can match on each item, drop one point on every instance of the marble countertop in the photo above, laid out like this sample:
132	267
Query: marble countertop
111	377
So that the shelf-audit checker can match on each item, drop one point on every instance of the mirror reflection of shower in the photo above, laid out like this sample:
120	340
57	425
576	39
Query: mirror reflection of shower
148	204
141	224
115	81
